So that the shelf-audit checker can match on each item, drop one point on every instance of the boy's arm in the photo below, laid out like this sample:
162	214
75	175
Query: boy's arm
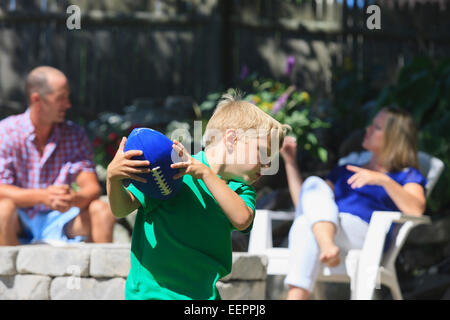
122	201
237	211
122	167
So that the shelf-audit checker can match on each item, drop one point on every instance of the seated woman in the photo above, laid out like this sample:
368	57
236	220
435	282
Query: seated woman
333	216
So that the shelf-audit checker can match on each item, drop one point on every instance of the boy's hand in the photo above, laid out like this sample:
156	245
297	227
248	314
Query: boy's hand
123	167
189	165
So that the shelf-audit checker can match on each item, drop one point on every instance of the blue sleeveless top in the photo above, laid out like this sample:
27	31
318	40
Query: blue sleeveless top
362	202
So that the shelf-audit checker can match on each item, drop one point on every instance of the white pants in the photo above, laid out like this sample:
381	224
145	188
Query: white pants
316	203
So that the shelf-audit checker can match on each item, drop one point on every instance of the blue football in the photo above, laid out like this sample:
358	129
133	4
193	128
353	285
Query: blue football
157	149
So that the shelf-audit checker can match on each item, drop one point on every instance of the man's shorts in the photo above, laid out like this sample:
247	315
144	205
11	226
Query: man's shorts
47	226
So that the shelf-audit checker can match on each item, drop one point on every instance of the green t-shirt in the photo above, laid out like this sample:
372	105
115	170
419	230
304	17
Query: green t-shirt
181	246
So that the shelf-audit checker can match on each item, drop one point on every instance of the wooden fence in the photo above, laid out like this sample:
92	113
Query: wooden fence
149	48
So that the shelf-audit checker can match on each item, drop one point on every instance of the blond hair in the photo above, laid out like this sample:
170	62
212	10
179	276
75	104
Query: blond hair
234	113
400	140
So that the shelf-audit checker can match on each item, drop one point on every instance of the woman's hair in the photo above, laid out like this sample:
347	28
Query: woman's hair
234	113
400	140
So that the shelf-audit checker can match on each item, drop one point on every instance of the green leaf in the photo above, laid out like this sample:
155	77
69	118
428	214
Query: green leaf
323	154
425	102
207	105
266	85
267	96
74	186
312	138
214	96
317	123
298	118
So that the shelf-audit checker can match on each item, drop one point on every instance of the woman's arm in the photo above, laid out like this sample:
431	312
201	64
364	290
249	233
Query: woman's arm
409	199
294	180
289	153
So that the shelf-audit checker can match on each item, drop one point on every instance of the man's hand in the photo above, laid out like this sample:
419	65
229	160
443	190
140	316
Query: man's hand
123	167
59	197
189	165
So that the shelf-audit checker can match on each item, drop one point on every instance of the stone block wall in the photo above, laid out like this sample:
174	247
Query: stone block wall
99	271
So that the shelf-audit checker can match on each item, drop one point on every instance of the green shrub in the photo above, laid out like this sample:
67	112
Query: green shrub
286	104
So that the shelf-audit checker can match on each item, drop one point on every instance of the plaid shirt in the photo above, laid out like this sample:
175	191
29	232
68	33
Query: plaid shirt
67	153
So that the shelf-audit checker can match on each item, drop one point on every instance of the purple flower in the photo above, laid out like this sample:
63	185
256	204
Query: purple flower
290	62
281	101
244	72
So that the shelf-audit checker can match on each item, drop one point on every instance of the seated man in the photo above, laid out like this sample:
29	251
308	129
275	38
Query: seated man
41	157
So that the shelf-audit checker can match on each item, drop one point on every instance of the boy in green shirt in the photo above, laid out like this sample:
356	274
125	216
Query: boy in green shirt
181	246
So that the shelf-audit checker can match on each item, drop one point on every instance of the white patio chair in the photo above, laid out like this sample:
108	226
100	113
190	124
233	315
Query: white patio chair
364	269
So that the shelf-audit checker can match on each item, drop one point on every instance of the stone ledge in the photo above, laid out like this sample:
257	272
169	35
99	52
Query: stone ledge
247	267
8	257
109	263
242	290
52	261
98	271
24	287
70	288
